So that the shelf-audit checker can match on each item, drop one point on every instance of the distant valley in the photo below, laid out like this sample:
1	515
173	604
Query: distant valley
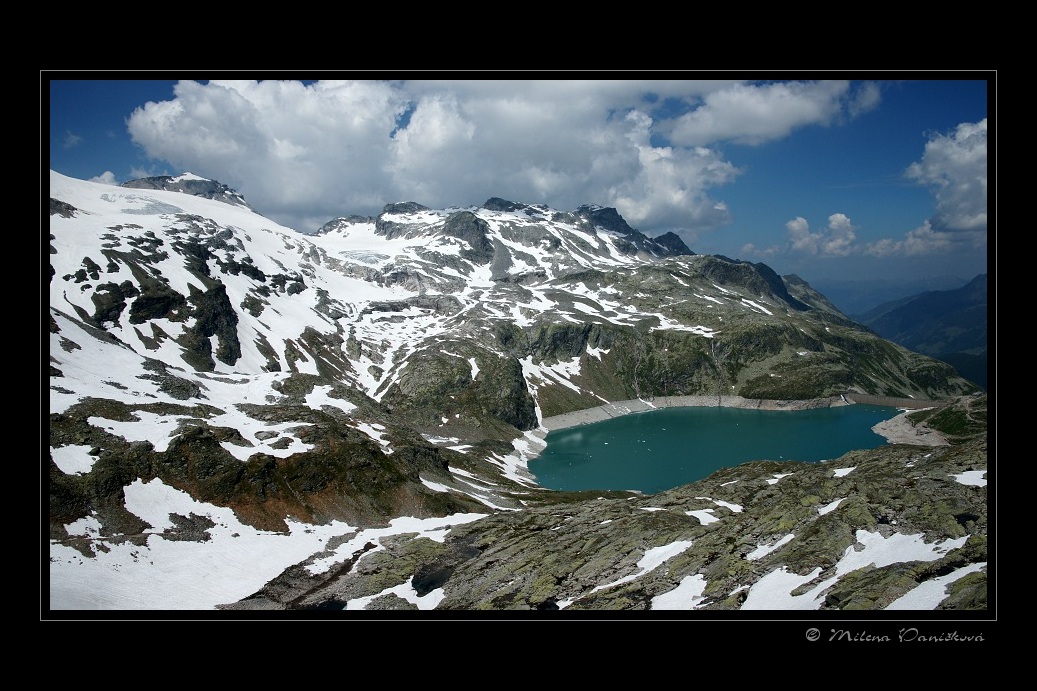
950	325
857	296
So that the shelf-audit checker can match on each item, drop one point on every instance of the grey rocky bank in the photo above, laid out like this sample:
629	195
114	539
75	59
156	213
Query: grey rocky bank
559	551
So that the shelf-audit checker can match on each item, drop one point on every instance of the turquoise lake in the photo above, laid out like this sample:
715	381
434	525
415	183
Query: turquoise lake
660	449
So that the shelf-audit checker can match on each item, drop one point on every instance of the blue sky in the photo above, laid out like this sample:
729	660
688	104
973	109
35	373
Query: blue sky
843	178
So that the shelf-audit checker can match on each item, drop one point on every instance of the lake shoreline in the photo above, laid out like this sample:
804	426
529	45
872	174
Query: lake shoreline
897	430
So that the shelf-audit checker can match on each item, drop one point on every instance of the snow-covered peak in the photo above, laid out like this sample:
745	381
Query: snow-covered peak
183	177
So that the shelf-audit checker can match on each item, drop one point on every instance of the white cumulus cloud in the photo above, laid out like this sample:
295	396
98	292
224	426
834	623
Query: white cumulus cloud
954	166
835	240
304	153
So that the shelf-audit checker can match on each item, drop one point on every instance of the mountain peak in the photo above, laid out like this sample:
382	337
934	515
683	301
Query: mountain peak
606	217
498	204
189	183
674	243
404	208
183	177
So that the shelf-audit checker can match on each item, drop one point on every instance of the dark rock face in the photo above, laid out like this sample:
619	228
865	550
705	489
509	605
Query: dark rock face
674	244
177	387
504	394
391	229
210	189
214	316
437	386
498	204
110	300
336	223
157	300
404	208
467	226
777	286
562	341
61	208
346	476
724	270
607	218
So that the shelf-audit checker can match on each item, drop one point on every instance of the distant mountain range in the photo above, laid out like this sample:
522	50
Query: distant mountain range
950	325
857	296
242	416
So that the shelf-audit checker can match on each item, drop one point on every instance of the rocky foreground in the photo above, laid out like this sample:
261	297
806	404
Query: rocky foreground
716	544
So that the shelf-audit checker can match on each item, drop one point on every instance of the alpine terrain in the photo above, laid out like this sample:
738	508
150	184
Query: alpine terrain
950	325
246	417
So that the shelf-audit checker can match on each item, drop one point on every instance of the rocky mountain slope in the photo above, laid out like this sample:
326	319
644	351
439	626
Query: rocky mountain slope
854	297
950	325
188	183
828	536
402	366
